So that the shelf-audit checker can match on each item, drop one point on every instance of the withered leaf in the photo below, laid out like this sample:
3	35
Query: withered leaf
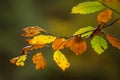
39	61
31	47
113	40
25	50
58	44
104	16
32	31
76	44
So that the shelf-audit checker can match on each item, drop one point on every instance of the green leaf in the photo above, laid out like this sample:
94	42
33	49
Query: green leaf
85	31
87	7
99	44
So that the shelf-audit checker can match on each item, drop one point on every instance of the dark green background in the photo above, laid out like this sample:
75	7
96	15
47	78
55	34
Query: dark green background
54	16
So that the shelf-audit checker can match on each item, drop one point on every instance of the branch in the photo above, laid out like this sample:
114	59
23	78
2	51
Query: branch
109	7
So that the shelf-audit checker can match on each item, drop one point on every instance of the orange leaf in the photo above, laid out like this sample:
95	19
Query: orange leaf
32	31
104	16
14	60
58	44
39	61
37	46
76	44
113	40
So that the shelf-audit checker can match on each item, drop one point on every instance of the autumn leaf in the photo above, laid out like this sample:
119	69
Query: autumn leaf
25	50
104	16
37	46
87	7
41	39
85	31
58	44
32	31
61	60
39	61
76	44
31	47
19	61
113	40
99	44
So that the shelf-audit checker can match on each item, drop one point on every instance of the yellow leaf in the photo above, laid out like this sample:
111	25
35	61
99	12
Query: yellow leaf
42	39
39	61
19	61
61	60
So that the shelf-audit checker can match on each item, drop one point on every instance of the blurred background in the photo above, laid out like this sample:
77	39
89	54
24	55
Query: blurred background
54	16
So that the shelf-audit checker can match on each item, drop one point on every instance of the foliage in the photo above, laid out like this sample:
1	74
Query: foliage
99	44
38	38
87	7
60	60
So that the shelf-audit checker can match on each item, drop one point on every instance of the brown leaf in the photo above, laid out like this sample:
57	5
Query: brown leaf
76	44
25	50
104	16
58	44
31	47
39	61
113	40
32	31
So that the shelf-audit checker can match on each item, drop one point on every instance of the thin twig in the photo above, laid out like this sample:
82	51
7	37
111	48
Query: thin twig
107	25
109	7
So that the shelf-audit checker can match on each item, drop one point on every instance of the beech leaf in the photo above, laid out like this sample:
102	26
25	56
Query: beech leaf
99	44
113	40
77	45
39	61
19	61
32	31
61	60
58	44
87	7
104	16
41	39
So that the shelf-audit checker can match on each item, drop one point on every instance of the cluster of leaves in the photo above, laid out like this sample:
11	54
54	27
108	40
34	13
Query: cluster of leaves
38	38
